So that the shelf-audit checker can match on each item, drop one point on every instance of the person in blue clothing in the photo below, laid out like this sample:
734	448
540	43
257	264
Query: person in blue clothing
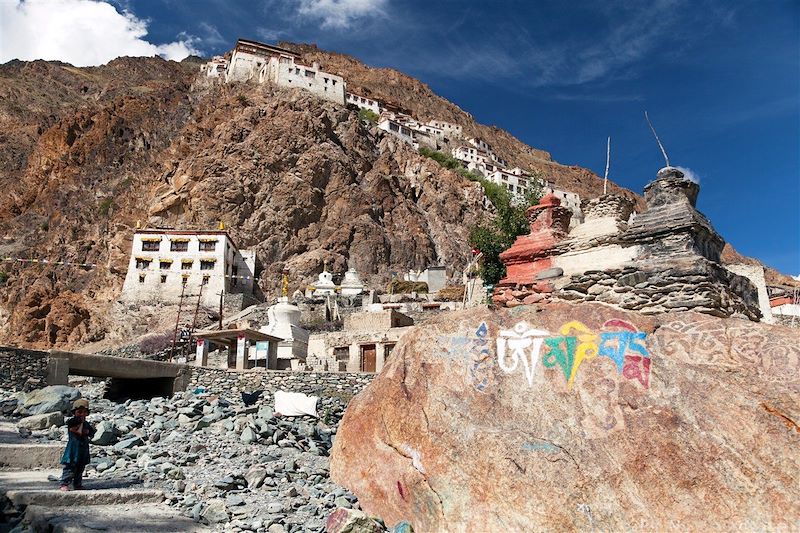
76	454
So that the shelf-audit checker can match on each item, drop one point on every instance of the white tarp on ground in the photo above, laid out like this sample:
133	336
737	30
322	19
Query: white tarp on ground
295	404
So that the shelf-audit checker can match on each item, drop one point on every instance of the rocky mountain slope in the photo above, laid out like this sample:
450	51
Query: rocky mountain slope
85	153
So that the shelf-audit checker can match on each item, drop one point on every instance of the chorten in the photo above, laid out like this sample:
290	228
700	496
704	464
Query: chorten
325	285
352	286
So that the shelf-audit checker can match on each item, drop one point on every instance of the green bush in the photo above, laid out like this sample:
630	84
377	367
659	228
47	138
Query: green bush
497	235
368	115
3	277
105	205
243	100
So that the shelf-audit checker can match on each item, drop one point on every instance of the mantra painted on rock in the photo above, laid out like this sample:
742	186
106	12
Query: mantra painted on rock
620	341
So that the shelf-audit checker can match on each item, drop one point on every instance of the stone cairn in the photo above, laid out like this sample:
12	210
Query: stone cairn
666	258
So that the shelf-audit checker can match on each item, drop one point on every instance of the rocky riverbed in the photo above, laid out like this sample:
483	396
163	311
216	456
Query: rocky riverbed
219	462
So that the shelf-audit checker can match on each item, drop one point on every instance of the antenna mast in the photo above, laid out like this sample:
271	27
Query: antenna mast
664	152
608	162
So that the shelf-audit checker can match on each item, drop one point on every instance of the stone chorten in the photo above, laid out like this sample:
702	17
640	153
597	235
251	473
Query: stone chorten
666	259
325	285
284	322
352	286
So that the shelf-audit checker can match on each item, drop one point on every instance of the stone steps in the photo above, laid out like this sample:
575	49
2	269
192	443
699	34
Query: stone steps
142	518
24	488
27	456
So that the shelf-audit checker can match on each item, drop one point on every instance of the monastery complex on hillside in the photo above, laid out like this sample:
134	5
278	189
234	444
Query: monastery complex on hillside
263	63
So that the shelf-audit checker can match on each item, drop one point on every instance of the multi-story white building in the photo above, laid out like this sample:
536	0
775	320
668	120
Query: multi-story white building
362	102
165	263
517	183
448	129
215	68
286	72
397	129
252	60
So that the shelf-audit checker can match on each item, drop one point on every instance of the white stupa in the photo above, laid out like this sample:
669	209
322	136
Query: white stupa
284	322
325	285
351	285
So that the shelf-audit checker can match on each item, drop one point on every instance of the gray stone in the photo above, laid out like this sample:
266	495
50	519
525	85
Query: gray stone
248	436
550	273
255	476
233	500
215	512
42	421
127	443
105	433
49	399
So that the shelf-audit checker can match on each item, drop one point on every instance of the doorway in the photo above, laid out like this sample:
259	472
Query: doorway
368	359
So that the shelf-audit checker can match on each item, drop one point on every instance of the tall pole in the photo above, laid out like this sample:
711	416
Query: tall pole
221	295
177	321
196	309
608	162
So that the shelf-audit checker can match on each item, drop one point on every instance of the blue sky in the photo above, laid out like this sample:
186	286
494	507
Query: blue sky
721	81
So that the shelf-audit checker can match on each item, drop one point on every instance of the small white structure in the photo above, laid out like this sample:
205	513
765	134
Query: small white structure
166	263
362	102
215	68
284	323
568	199
249	56
755	273
325	285
435	277
351	285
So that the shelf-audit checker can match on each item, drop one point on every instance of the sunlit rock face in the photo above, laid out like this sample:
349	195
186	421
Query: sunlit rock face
579	417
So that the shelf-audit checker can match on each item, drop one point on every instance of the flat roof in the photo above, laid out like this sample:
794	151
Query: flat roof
220	232
233	334
266	47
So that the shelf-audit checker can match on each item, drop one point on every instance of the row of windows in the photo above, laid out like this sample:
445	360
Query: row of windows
178	246
184	280
144	264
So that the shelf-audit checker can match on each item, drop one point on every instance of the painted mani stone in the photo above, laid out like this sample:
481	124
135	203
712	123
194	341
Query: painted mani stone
620	341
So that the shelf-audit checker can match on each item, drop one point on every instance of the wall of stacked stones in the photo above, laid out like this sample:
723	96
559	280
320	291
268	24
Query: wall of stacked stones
322	384
22	369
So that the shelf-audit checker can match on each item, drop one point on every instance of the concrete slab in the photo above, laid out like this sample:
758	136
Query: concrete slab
34	488
112	518
27	456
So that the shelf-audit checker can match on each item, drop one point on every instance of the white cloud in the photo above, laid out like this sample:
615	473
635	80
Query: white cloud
80	32
340	13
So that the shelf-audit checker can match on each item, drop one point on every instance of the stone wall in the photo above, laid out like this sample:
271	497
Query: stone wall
22	369
317	383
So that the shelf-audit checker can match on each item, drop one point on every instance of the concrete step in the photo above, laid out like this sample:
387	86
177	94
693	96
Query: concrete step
25	488
25	456
140	518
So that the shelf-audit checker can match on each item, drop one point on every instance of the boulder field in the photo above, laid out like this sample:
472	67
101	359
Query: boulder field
580	417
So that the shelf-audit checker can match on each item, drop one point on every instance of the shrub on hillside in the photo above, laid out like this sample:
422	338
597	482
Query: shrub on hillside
155	343
368	115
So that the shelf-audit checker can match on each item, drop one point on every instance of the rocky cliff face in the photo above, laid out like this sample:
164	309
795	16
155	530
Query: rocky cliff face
88	152
579	417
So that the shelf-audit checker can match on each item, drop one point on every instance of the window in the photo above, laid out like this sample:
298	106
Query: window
150	246
387	351
142	264
141	278
164	265
163	278
342	356
208	246
205	280
179	246
394	127
206	265
184	279
186	265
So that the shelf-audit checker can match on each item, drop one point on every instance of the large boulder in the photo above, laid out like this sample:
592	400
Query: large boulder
48	400
42	421
579	417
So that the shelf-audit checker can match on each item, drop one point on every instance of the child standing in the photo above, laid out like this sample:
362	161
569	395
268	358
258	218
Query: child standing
76	454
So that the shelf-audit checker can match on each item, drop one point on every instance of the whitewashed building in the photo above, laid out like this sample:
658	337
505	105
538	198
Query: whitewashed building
364	345
397	129
286	72
362	102
448	129
215	68
166	263
261	62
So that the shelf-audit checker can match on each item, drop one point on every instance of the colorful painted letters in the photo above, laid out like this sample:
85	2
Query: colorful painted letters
623	344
